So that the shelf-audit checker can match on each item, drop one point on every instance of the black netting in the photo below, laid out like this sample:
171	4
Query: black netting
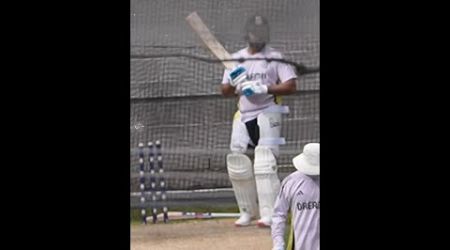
176	99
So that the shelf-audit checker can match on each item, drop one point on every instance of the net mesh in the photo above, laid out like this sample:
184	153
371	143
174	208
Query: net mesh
176	99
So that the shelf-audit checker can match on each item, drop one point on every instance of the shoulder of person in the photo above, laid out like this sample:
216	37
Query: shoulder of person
238	54
297	177
273	53
292	178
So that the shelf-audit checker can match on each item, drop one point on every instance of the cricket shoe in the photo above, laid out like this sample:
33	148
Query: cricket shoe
264	222
244	220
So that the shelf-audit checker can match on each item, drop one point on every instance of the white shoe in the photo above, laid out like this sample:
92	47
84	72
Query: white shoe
264	222
244	220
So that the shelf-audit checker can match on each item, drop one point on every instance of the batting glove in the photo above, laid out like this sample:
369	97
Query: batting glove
238	89
237	76
250	88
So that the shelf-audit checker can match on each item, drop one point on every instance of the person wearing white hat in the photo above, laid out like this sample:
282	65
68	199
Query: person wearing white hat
300	194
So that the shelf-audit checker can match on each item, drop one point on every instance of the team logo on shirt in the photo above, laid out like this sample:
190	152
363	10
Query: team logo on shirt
308	205
255	76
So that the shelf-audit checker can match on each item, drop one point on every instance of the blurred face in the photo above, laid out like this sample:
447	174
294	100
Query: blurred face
255	42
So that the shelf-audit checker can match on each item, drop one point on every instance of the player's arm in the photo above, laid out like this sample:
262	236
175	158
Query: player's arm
250	88
227	90
286	76
286	88
288	79
279	218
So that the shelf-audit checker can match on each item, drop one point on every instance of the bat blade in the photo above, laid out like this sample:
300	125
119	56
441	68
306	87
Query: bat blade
209	39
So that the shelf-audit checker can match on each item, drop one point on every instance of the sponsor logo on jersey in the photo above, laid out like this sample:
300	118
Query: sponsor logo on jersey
308	205
256	76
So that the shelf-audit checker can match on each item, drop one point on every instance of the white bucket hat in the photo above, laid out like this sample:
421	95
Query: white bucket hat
308	162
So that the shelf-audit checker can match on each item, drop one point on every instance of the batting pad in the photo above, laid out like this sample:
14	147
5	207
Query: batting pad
267	181
269	124
244	186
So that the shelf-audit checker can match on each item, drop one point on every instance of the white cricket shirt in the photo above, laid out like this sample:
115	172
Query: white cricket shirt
269	74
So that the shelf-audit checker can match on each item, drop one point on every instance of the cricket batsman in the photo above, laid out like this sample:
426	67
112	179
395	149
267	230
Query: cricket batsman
257	123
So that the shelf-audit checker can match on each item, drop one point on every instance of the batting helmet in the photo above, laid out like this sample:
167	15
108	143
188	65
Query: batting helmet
257	30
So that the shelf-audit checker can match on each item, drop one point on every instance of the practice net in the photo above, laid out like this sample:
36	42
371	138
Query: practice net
175	98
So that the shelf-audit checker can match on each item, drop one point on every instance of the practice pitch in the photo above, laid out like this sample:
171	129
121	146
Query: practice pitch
218	234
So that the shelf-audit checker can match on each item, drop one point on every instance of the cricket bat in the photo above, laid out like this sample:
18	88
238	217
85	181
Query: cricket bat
209	40
219	51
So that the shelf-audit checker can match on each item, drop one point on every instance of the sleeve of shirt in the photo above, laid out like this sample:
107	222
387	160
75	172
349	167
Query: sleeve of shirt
285	71
279	218
225	79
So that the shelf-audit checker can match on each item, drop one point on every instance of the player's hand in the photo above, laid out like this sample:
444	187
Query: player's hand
238	89
237	76
250	88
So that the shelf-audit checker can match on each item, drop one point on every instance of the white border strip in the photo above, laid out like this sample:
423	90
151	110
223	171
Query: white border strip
277	109
215	190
